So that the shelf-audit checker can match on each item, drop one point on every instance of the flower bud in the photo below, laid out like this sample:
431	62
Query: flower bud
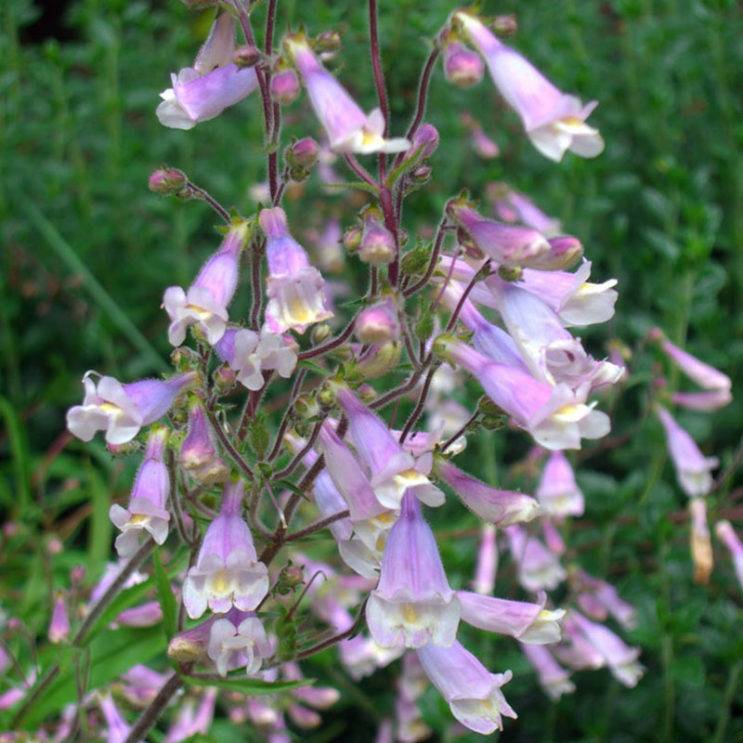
505	25
328	41
320	333
285	86
246	56
303	153
563	253
462	66
168	182
289	578
377	243
378	360
352	239
421	175
305	407
426	137
59	627
378	324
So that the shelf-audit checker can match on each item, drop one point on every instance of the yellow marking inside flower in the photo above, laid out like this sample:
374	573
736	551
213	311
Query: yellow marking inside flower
410	475
221	582
370	138
409	613
299	310
571	413
139	518
571	120
109	407
387	517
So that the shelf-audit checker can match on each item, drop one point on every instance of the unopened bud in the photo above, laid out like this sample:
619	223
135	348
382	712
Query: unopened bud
306	407
378	324
421	175
378	360
366	394
77	574
320	333
289	578
352	239
246	56
462	66
377	243
168	182
303	153
59	627
510	273
563	253
505	25
328	41
285	86
427	138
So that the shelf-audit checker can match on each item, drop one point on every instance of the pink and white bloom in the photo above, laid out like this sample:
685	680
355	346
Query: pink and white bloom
553	678
202	92
513	206
239	640
473	693
703	374
378	323
726	533
122	409
554	121
199	454
487	561
527	622
348	128
538	568
205	302
117	728
189	721
146	510
227	571
603	598
59	626
692	467
557	417
391	470
501	507
295	289
621	659
558	492
250	354
413	603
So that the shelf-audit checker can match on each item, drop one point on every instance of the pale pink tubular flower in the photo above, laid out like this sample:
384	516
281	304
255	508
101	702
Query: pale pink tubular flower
199	454
692	467
554	121
202	92
239	640
378	323
726	533
538	568
506	244
621	659
391	470
606	599
117	728
513	206
527	622
250	354
411	684
483	145
557	492
413	603
227	571
59	626
487	561
188	722
703	374
122	409
348	128
500	507
556	417
295	289
205	302
704	401
700	542
146	510
553	678
473	693
141	684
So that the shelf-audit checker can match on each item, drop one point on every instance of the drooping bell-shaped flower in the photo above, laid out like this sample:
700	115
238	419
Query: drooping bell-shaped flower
506	244
122	409
348	128
692	467
513	206
378	323
554	121
377	246
501	507
239	640
473	693
462	66
413	603
202	92
205	302
295	289
199	454
527	622
621	659
557	417
538	568
553	678
557	492
59	626
146	510
391	470
725	532
227	572
606	596
250	354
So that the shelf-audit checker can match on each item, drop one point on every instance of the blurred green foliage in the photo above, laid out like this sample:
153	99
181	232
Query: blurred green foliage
87	251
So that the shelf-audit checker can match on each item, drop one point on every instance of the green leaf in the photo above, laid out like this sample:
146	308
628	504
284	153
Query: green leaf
99	546
249	685
165	595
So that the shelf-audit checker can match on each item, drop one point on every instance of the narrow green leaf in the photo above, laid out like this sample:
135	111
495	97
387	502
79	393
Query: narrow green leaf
99	543
249	685
165	595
